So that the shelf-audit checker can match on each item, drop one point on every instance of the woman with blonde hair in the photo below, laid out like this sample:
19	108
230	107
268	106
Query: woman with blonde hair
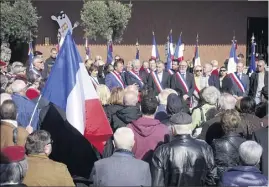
199	81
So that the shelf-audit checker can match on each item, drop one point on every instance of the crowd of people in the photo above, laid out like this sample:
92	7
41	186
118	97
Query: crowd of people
186	126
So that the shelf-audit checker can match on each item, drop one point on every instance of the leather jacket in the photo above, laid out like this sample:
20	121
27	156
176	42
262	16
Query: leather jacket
184	161
225	151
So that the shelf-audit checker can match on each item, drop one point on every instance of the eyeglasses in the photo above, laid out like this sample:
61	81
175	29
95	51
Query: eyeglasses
51	142
199	70
222	70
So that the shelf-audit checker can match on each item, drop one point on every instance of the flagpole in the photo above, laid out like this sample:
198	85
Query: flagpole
32	116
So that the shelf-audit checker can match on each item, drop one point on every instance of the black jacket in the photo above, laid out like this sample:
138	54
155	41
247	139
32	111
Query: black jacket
183	162
227	85
177	85
253	83
165	82
111	110
225	151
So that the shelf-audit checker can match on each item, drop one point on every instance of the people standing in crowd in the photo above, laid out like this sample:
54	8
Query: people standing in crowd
36	71
160	79
152	65
215	67
122	168
246	174
148	132
199	82
225	81
11	133
19	73
115	78
183	81
258	80
49	62
225	149
93	73
104	96
145	67
261	110
175	66
211	79
240	81
4	97
43	171
184	161
13	166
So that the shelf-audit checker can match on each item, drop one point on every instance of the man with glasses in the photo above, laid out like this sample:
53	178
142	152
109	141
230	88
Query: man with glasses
258	80
37	70
183	81
43	171
225	81
240	80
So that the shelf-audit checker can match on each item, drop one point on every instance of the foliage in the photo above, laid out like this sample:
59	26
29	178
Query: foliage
105	19
18	18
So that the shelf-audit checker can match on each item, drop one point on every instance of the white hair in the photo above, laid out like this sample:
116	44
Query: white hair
133	88
214	63
162	97
124	138
4	97
136	61
211	95
227	101
183	129
17	86
130	98
250	153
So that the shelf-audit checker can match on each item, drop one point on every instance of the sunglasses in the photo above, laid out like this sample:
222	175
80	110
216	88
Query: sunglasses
222	70
199	70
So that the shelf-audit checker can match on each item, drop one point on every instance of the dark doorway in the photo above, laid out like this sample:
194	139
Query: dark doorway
258	27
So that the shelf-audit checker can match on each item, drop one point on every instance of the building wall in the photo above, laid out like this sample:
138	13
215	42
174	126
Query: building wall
214	21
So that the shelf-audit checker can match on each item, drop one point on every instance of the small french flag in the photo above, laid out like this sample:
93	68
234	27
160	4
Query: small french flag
154	51
197	60
179	50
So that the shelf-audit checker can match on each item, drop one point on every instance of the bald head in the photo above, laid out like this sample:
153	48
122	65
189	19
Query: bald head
18	86
130	98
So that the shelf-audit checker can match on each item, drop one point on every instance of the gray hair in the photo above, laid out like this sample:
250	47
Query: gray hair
18	86
182	129
36	142
130	98
227	101
8	110
124	138
11	173
4	97
4	81
250	153
18	69
210	95
162	97
135	61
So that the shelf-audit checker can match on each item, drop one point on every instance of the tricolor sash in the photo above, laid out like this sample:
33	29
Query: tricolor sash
196	88
157	81
137	77
94	82
118	78
147	70
238	82
182	81
170	72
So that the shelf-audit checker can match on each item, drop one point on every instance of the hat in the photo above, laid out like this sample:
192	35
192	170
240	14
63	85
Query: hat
2	63
32	93
174	104
14	153
181	118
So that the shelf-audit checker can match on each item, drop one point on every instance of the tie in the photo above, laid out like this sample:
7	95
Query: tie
240	76
184	76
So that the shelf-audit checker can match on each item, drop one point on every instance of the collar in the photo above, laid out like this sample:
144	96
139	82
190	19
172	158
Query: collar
116	73
124	151
159	73
183	136
41	155
232	134
9	183
13	122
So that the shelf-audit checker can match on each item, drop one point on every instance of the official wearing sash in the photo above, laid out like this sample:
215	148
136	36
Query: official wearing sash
135	76
240	82
115	78
159	79
183	81
175	65
145	67
93	72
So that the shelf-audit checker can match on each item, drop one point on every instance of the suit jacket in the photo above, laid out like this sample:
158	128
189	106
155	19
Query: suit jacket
166	79
261	137
253	83
227	85
43	171
214	81
111	82
130	79
6	131
121	169
176	85
236	90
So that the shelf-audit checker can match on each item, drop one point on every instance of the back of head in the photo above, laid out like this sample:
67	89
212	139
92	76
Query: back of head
174	104
36	142
181	123
130	98
149	104
230	120
250	153
133	88
227	101
247	105
18	69
214	63
210	95
4	97
18	86
162	97
104	93
116	97
124	138
8	110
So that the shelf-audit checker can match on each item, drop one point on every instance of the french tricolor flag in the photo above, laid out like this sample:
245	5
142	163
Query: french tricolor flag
87	49
30	55
252	67
170	54
154	51
70	88
179	50
197	60
109	52
231	67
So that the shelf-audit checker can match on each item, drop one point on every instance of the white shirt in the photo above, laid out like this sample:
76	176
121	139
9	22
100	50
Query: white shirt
160	76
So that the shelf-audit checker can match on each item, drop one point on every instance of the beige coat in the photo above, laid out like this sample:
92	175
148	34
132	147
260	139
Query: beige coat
43	171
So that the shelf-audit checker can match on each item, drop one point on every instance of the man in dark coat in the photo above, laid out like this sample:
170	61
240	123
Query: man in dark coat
49	62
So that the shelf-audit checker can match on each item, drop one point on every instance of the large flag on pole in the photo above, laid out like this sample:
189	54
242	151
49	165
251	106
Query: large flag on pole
197	60
137	50
170	51
154	52
87	49
179	50
109	52
231	68
30	55
252	67
70	88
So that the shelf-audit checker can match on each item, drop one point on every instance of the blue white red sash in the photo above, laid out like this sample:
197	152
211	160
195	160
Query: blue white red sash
182	81
238	82
118	78
147	70
137	77
157	81
170	72
94	82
